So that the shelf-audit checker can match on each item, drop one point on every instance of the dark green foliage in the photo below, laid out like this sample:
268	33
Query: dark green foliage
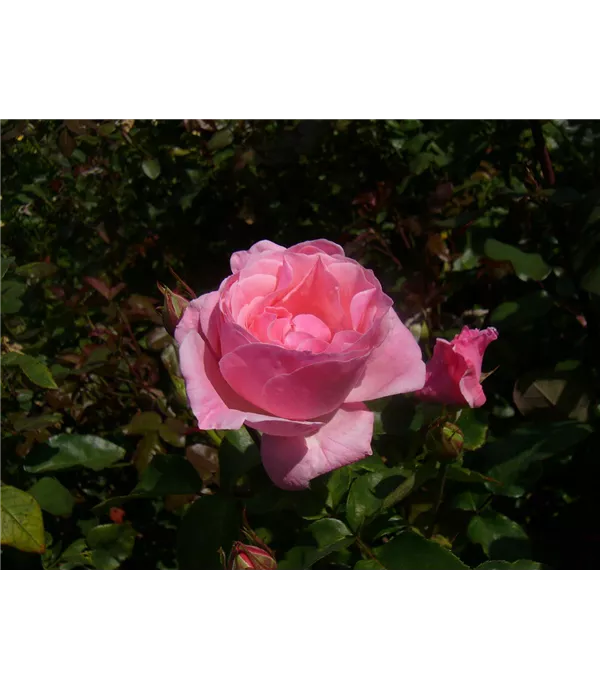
463	222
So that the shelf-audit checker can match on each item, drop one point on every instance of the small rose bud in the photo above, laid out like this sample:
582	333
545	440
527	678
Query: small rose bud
446	440
173	308
116	515
250	557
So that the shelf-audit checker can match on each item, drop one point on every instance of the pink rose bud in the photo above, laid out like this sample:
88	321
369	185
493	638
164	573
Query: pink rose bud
250	557
446	440
173	309
292	344
454	371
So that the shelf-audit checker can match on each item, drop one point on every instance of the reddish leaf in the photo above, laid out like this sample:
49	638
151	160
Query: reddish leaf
66	143
103	288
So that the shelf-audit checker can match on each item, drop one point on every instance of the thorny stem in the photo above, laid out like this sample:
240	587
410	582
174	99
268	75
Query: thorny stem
368	551
438	500
128	326
214	437
542	153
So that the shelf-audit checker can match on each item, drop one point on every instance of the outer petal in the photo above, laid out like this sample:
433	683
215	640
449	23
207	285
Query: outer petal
394	367
472	345
292	384
293	462
197	317
445	370
240	259
318	246
217	406
202	381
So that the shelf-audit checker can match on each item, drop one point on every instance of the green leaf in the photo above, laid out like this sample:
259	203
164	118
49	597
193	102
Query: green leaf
76	554
421	162
474	424
522	312
151	168
171	362
35	370
169	474
72	451
53	497
25	424
368	565
362	503
466	261
563	196
507	460
111	544
526	265
469	500
415	143
395	489
22	522
314	556
11	297
172	431
591	281
221	139
412	551
211	523
238	454
141	423
329	531
499	537
331	536
553	395
296	558
36	271
5	264
460	474
338	484
519	565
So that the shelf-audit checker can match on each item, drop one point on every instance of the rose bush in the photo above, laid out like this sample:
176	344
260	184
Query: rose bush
454	371
292	344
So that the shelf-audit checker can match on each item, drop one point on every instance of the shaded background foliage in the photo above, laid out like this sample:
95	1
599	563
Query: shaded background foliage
465	223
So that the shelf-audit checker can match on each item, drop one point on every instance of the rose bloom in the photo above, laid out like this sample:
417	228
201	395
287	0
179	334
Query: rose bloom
291	344
454	371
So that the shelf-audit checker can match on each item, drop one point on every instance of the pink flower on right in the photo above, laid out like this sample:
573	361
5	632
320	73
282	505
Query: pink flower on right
454	371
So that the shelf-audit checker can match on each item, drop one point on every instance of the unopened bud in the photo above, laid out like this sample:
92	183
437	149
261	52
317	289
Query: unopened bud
446	440
250	557
173	309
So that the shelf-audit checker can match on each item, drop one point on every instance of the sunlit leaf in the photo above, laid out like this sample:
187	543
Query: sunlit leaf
22	522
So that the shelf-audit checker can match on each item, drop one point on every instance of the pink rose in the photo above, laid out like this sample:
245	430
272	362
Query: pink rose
291	344
454	371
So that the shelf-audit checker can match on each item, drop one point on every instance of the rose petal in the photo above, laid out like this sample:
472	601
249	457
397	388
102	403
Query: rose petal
292	384
240	259
293	462
394	367
190	320
245	291
317	294
472	345
302	341
318	246
445	370
198	317
216	406
352	279
310	324
282	427
202	380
